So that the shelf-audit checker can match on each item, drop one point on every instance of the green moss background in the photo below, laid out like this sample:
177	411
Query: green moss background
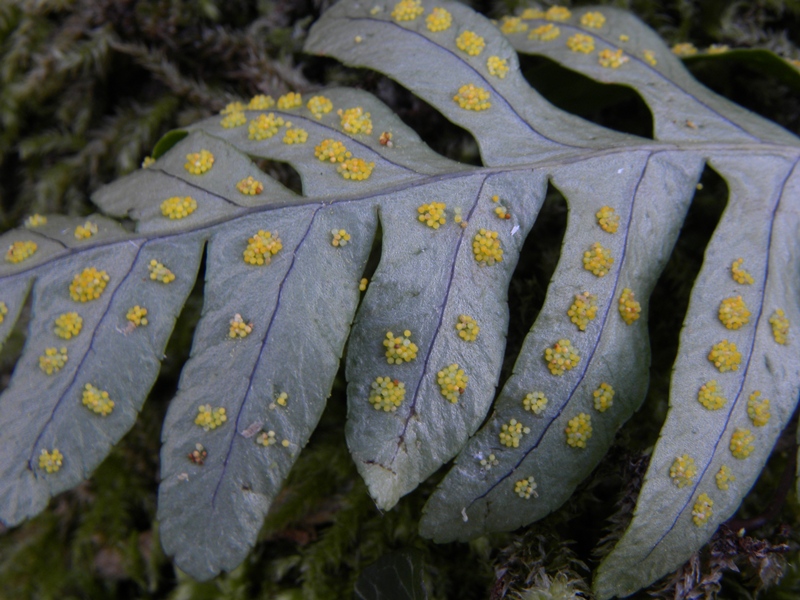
86	89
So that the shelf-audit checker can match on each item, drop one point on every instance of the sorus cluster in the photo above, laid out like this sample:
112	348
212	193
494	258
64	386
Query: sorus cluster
702	509
261	248
579	430
725	356
780	326
470	42
710	396
467	328
264	126
355	168
295	136
88	285
603	397
267	438
85	231
332	151
407	10
581	43
178	207
740	275
362	285
733	312
319	105
261	102
472	97
629	309
238	328
439	20
511	25
525	488
355	120
339	238
535	402
683	471
198	163
452	382
594	20
684	49
597	260
501	212
511	433
289	101
742	443
486	248
209	418
608	219
137	315
198	455
650	58
249	186
19	251
234	119
758	409
158	272
148	162
545	33
97	400
35	220
387	394
50	461
282	399
53	360
489	462
232	107
583	310
561	357
532	13
557	13
68	325
432	214
3	311
724	477
399	348
611	59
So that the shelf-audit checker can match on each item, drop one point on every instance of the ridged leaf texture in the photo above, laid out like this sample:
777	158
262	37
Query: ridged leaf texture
282	292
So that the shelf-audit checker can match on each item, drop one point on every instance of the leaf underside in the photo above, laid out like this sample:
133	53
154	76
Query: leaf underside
220	477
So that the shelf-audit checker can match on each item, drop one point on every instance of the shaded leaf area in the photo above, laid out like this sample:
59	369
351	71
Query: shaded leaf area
396	576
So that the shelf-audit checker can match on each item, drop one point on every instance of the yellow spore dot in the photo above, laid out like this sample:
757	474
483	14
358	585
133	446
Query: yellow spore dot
583	310
594	20
97	400
629	309
266	438
51	461
238	328
148	162
295	136
608	219
319	105
470	42
356	169
452	382
545	33
355	120
611	59
249	186
261	248
532	13
407	10
525	488
684	49
35	220
68	325
137	316
432	214
339	238
742	443
457	217
683	471
497	66
331	151
158	272
511	433
624	38
471	97
489	462
231	108
261	102
650	58
285	443
53	360
702	509
725	356
501	212
740	275
19	251
88	285
581	43
724	477
597	260
467	328
579	430
178	207
3	311
733	312
234	119
362	285
399	348
511	25
710	397
486	248
209	418
535	402
603	397
282	399
557	13
440	19
387	394
758	409
85	231
561	357
718	48
780	326
289	101
264	126
198	163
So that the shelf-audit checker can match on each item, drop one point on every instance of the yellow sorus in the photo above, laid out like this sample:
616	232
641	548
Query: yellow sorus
238	328
267	438
511	433
88	285
19	251
399	348
339	238
597	260
355	120
561	357
758	409
178	207
486	248
595	20
579	430
198	163
209	418
471	43
702	510
440	19
532	13
234	119
683	471
513	25
611	59
583	310
495	198
385	139
97	400
68	325
264	126
650	58
497	66
332	151
158	272
501	212
489	462
355	168
624	38
725	356
85	231
452	382
733	312
362	285
710	396
35	220
545	33
53	360
51	461
629	309
137	315
608	219
231	108
557	13
742	443
739	274
319	105
780	326
581	43
3	311
282	399
290	100
261	102
249	186
535	402
148	162
407	10
387	394
261	248
457	217
718	48
467	328
471	97
684	49
525	488
432	214
295	136
724	477
603	397
285	443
